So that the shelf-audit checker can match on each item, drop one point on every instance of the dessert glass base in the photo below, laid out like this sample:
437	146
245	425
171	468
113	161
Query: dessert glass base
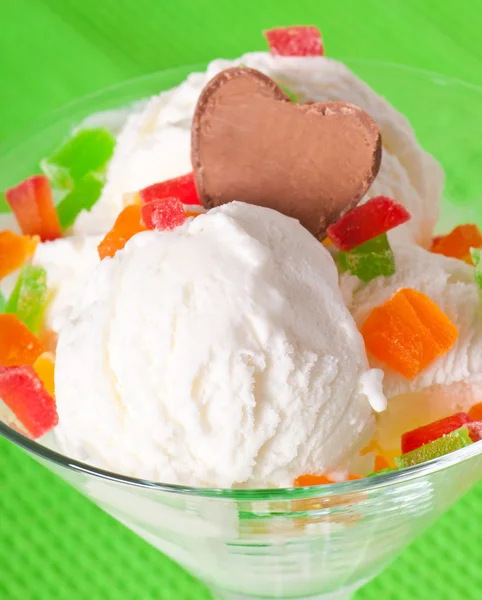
321	543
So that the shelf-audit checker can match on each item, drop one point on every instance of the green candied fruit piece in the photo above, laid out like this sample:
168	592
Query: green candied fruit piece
476	254
291	95
369	260
86	151
83	197
444	445
388	470
29	297
3	302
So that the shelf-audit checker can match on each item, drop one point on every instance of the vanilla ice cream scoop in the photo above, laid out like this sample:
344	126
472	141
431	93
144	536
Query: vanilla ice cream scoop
155	143
217	354
451	285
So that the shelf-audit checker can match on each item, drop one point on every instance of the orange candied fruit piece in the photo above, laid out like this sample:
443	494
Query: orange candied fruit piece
15	251
458	242
127	224
307	480
44	366
190	213
18	345
408	332
475	413
48	338
381	463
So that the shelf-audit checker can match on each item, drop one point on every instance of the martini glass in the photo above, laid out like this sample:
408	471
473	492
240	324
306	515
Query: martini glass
322	542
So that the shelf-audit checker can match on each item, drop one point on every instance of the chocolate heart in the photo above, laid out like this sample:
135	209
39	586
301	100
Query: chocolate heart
251	143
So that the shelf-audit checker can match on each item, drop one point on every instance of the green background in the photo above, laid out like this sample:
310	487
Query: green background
54	544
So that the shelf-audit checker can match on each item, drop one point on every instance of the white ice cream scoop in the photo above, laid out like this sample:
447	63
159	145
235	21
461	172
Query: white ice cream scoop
217	354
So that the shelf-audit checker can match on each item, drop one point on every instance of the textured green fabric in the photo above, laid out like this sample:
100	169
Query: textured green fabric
54	544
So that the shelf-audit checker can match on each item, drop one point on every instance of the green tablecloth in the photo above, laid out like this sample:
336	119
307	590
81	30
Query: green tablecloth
54	544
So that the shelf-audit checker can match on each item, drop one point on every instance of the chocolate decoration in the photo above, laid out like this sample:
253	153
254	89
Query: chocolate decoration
251	143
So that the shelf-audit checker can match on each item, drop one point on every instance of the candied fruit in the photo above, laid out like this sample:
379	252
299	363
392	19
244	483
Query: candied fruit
29	297
44	366
167	213
369	260
455	440
15	251
297	40
127	224
367	221
87	151
408	332
183	188
23	393
411	440
458	242
32	204
18	345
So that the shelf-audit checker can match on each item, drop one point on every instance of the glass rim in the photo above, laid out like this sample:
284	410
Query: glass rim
365	484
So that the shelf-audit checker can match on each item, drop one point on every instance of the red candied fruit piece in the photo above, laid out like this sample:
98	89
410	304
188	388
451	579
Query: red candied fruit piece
411	440
32	203
365	222
23	393
298	40
18	345
475	430
183	188
167	213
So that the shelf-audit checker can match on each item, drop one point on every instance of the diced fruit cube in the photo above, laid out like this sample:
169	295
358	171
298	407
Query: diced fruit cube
18	345
475	430
190	213
408	332
476	256
366	222
48	338
83	197
455	440
369	260
458	242
44	366
298	40
15	251
23	393
32	204
183	188
381	463
307	480
29	297
411	440
382	471
167	213
87	151
475	412
127	224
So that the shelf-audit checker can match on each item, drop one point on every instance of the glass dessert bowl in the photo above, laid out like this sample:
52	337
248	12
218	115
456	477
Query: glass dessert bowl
318	542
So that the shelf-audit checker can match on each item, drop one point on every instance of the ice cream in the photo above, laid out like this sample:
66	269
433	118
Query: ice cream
155	142
218	354
231	349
